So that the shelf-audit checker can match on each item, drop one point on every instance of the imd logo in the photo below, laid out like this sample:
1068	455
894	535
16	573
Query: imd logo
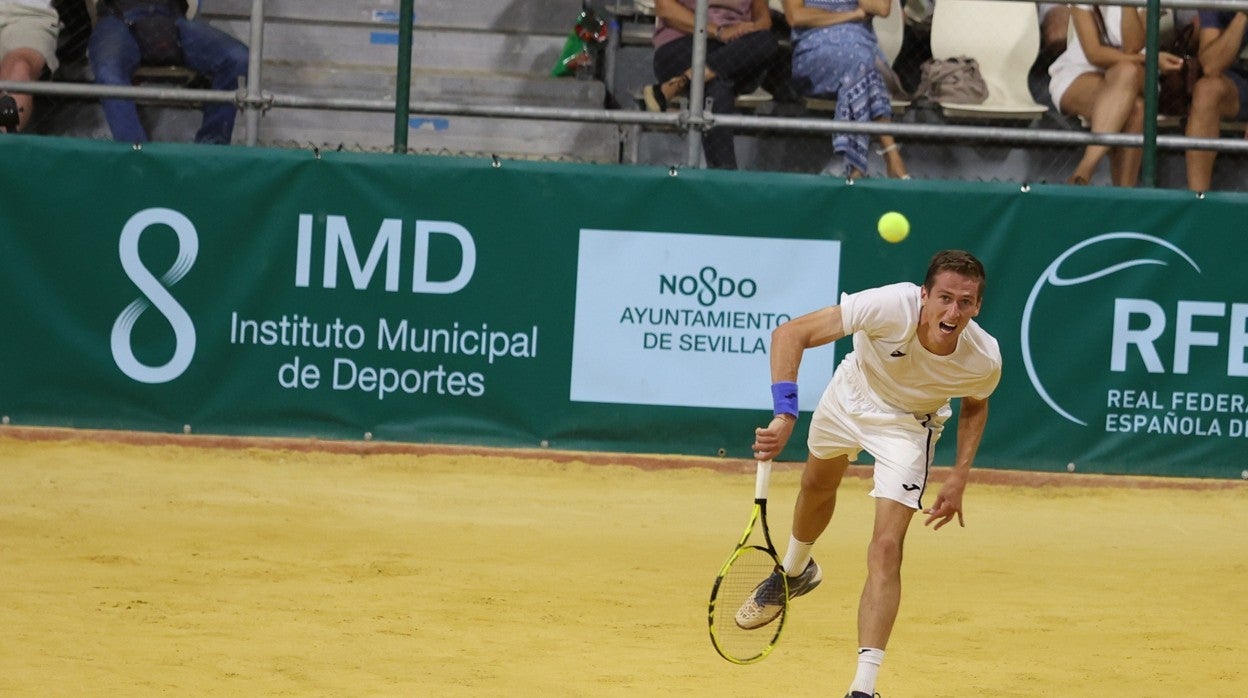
155	294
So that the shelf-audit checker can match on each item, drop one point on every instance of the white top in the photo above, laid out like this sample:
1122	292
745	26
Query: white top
897	370
41	4
1074	62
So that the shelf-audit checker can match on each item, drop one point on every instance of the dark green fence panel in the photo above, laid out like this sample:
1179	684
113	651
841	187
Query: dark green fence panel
245	291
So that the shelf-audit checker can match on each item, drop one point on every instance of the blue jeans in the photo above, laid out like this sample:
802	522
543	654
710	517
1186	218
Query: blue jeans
114	56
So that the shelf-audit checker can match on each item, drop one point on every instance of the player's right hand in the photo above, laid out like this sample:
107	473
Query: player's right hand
769	441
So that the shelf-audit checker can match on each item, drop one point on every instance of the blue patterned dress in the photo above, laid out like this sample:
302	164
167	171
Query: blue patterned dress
843	60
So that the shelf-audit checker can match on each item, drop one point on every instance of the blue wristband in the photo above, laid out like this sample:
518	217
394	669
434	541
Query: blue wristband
784	397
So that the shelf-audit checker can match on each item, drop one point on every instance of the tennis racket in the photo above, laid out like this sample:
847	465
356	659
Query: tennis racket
749	637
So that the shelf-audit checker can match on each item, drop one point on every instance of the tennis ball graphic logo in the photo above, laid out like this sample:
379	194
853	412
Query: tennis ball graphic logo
1053	278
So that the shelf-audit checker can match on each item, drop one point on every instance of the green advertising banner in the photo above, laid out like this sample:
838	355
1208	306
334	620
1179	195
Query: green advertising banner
348	296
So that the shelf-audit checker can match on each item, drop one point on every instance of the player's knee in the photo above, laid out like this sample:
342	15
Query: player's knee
884	554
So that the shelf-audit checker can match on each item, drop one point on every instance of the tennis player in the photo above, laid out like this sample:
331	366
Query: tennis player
914	349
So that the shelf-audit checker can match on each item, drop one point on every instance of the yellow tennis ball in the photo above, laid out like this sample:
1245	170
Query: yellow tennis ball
893	227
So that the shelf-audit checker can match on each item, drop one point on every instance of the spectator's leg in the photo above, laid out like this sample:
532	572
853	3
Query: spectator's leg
223	59
673	58
22	65
1124	163
778	79
728	65
717	143
744	59
672	67
1214	98
114	56
894	164
1107	101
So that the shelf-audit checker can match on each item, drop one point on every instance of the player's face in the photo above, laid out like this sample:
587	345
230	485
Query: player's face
947	308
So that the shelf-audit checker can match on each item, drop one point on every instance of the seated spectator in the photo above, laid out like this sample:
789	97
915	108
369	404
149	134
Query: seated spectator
28	34
115	53
1054	28
836	53
916	42
739	49
1222	91
1100	77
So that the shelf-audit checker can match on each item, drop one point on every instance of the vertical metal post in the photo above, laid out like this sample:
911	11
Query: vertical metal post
1148	166
255	49
609	53
697	87
403	77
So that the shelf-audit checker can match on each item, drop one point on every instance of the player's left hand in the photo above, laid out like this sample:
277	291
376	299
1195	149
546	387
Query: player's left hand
948	504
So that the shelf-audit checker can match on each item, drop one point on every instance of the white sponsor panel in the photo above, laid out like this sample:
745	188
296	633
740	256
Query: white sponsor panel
685	320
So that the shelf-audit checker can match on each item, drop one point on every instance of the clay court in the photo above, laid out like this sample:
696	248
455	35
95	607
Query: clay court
153	565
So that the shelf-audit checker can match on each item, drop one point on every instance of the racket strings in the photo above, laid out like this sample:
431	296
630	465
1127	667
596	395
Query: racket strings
735	605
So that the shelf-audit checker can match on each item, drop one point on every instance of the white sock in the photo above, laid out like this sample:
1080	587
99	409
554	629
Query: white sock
796	557
869	660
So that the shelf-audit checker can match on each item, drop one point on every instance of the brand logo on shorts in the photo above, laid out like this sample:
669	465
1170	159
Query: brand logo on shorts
910	488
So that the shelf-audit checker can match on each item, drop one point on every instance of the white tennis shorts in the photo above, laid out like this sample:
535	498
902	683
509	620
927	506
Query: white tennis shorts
848	421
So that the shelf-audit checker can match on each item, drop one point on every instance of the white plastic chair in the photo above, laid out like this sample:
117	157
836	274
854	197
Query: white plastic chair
890	32
1004	37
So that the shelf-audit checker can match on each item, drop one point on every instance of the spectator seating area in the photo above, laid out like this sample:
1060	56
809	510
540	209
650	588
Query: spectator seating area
1008	57
501	52
469	51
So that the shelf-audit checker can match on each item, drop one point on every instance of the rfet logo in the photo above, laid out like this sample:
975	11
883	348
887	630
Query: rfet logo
1064	335
155	294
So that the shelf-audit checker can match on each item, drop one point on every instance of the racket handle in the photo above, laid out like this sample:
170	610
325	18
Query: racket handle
762	479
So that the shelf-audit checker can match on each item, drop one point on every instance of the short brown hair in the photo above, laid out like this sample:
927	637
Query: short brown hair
959	262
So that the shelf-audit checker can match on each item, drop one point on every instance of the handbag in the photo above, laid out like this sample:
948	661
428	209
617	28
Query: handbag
1174	97
153	23
955	80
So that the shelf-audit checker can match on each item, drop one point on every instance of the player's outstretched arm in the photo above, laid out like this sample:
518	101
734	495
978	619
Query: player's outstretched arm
972	418
788	342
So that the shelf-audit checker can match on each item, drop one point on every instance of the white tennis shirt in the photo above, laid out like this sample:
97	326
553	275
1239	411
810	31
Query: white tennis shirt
896	370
